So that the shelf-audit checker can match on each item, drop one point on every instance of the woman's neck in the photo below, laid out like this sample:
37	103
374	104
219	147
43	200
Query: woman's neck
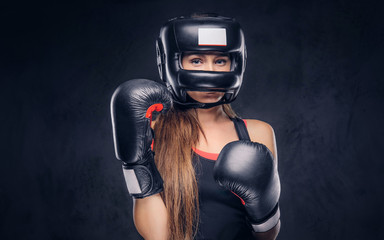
211	115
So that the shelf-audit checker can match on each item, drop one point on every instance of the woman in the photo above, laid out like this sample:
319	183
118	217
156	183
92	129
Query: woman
205	196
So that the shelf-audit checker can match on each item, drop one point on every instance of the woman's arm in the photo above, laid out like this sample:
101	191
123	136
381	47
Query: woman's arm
262	132
132	107
151	218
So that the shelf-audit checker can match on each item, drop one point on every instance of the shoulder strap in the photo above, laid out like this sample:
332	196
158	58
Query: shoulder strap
241	129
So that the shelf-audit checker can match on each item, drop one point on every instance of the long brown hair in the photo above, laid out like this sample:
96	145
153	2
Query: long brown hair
176	132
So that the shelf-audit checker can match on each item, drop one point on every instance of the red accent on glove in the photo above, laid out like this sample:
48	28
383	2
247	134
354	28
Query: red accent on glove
242	201
154	107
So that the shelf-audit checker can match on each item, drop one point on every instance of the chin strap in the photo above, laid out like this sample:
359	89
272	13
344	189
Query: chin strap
196	105
192	103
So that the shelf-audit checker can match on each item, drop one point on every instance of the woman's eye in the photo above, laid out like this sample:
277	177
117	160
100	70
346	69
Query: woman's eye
221	61
196	61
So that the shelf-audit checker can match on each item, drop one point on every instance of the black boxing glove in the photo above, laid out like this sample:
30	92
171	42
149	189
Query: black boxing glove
248	170
132	105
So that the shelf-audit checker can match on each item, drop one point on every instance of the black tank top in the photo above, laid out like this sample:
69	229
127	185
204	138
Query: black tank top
222	215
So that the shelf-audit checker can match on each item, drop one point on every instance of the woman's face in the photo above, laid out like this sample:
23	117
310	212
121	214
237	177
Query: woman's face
210	61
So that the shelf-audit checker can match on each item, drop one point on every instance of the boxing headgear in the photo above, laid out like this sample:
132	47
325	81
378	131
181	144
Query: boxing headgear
195	34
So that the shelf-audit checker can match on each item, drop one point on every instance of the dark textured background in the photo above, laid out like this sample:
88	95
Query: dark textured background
314	73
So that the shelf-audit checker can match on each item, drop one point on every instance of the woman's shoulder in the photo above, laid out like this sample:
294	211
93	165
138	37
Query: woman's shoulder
262	132
258	128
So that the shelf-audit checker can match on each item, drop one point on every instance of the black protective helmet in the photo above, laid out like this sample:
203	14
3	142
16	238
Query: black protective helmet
194	34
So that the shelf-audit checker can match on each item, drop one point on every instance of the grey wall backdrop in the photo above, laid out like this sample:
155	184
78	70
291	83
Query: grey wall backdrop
314	73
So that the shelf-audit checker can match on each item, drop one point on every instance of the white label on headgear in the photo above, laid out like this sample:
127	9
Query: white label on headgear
212	37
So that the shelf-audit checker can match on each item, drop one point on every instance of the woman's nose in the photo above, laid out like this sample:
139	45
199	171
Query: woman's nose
209	66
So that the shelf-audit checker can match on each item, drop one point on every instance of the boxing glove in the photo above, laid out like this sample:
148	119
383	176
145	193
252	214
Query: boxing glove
248	170
132	106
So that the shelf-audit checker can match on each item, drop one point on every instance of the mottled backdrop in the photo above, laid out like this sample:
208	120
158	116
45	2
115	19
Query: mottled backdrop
314	73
